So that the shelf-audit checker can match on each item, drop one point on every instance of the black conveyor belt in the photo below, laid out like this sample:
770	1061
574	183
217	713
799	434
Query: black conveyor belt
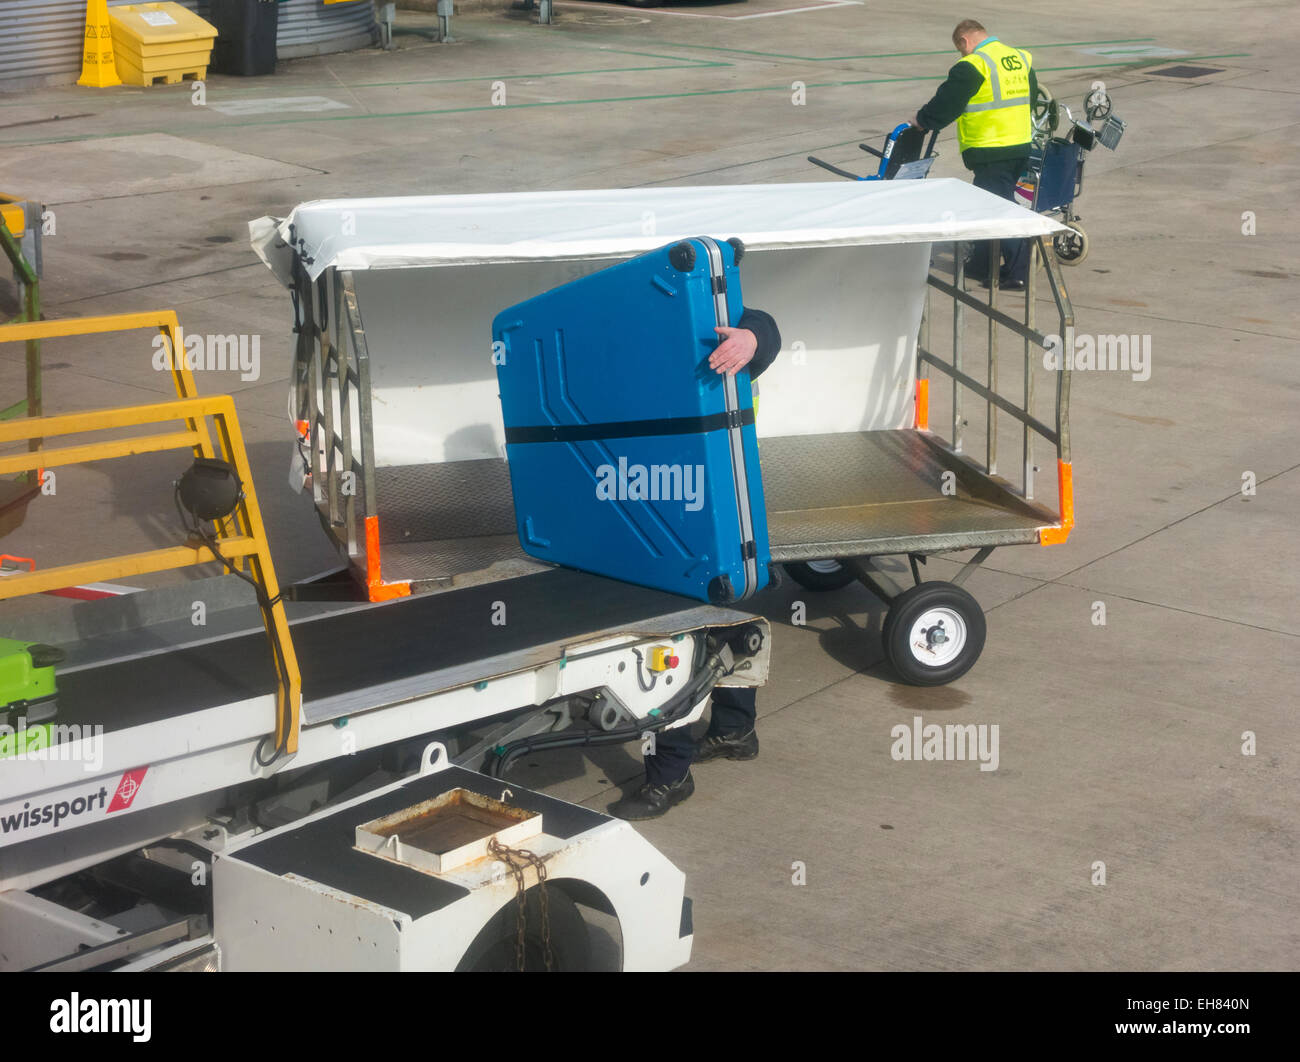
362	648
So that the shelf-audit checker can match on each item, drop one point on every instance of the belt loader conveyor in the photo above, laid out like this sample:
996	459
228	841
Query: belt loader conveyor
182	724
156	761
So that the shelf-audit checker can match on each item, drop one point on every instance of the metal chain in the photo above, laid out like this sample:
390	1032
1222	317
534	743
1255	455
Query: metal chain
519	860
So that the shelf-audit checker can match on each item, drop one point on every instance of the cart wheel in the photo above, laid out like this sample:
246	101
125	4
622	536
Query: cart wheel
933	633
1071	247
820	575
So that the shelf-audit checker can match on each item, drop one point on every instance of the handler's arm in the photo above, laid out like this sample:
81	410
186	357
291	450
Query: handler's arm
752	343
947	104
768	336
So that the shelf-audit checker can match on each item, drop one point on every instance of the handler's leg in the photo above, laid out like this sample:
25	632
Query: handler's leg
731	734
668	778
977	268
1000	178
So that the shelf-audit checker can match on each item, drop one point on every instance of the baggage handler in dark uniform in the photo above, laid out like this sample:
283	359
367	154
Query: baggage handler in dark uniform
752	345
989	94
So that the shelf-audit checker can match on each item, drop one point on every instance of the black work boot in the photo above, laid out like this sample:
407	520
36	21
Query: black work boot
651	801
730	745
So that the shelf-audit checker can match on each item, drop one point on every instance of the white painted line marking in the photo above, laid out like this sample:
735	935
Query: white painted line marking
240	108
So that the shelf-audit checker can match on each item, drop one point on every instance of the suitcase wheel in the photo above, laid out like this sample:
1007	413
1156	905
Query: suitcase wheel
738	245
720	591
682	257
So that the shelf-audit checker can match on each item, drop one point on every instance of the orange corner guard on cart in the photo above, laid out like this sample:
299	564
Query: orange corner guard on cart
923	405
377	589
1052	536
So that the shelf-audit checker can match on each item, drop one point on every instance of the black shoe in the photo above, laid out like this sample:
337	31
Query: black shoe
651	801
731	745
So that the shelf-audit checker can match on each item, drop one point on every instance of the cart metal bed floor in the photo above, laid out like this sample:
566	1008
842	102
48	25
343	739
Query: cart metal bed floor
413	647
881	492
837	495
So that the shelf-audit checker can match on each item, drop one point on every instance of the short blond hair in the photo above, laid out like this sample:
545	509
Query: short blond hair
965	26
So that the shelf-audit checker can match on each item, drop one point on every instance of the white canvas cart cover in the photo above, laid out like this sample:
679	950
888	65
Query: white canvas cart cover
423	231
842	267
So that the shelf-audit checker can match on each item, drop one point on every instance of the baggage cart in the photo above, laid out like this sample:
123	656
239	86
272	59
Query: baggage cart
401	433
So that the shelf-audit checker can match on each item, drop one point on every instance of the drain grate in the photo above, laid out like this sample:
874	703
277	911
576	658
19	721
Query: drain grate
1185	70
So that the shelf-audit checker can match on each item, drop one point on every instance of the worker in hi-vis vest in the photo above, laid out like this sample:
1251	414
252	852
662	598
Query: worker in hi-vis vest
989	93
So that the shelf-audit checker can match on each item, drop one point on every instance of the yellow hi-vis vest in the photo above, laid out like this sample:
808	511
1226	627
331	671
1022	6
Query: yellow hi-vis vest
999	114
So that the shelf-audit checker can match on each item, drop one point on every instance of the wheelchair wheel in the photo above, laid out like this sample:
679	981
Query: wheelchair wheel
1097	105
1071	247
1045	112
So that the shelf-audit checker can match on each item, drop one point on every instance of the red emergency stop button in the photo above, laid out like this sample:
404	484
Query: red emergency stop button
662	659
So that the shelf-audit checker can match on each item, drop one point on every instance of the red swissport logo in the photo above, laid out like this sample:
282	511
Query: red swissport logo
126	790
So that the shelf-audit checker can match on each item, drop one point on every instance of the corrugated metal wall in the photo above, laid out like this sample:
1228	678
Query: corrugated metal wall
310	27
40	40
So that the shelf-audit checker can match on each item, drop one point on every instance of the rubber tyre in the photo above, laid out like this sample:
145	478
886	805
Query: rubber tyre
1071	248
493	950
1097	105
819	582
908	608
1043	114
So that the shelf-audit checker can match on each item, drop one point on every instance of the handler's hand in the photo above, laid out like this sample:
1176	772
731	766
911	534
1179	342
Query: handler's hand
736	350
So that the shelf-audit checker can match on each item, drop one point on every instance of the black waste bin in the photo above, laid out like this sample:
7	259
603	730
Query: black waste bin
246	31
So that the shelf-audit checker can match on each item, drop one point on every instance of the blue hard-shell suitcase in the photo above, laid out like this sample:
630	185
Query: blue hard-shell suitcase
630	457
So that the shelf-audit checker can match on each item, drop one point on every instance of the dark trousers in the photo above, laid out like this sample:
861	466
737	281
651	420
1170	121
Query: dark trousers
1000	179
733	709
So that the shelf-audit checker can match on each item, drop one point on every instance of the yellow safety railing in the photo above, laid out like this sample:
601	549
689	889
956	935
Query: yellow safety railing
241	539
163	320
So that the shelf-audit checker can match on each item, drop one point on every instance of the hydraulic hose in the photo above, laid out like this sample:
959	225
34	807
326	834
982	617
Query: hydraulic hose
716	665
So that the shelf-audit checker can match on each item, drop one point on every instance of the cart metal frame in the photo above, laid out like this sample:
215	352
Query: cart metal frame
335	420
979	483
902	508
